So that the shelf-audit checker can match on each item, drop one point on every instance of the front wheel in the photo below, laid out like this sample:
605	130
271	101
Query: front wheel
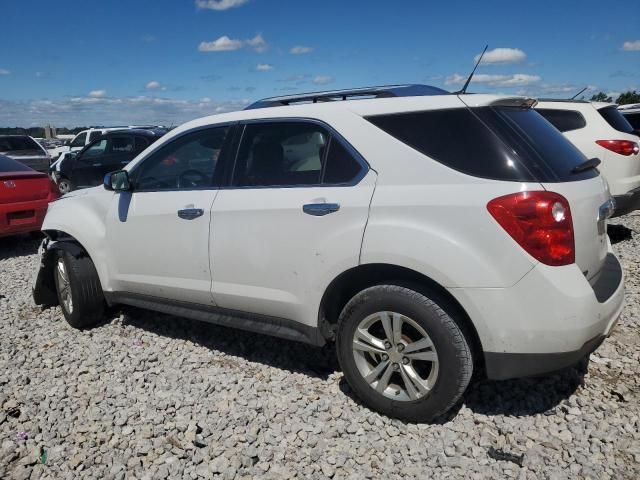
402	354
65	185
79	290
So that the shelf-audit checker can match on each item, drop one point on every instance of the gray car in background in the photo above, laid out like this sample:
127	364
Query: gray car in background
25	150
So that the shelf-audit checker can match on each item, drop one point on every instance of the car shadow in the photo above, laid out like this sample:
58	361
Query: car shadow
519	397
619	233
287	355
19	246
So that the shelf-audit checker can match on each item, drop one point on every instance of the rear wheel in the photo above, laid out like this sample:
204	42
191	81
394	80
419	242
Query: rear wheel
402	354
79	291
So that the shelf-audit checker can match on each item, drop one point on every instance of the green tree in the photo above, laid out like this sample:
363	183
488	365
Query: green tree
601	97
628	97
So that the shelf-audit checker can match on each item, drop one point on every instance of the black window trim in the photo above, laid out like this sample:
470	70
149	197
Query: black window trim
225	158
584	120
333	134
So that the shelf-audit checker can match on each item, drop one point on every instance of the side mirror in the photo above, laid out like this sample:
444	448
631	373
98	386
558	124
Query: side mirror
117	181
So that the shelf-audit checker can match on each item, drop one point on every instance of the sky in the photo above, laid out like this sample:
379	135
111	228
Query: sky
89	62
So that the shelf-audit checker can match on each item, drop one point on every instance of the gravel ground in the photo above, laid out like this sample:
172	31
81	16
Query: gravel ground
152	396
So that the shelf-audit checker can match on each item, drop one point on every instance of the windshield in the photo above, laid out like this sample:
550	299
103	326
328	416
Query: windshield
616	119
12	144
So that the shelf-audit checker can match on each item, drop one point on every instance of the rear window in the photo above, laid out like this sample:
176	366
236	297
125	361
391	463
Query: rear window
9	165
13	144
563	120
616	119
500	143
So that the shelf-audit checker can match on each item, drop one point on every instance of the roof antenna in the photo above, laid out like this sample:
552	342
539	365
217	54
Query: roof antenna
574	97
463	90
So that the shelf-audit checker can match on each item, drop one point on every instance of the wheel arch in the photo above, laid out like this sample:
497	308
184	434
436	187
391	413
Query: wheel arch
356	279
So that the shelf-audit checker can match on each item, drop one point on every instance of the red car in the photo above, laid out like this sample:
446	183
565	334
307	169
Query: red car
24	196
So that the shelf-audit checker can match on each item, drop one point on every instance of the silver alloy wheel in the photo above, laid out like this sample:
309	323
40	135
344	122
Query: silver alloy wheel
64	286
64	186
395	356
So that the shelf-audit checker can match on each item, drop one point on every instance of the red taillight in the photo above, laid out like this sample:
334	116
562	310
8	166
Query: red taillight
622	147
540	222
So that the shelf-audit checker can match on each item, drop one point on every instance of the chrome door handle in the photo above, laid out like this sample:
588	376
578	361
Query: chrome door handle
320	209
190	213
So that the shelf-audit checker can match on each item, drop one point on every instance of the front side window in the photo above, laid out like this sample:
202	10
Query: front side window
278	154
187	162
97	149
94	135
79	140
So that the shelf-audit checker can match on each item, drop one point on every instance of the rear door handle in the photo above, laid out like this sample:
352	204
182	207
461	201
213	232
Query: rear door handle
190	213
320	209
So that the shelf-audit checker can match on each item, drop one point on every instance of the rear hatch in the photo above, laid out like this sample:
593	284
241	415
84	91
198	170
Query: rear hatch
23	187
561	168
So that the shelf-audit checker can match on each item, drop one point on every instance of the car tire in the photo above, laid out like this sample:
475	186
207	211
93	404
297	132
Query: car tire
418	381
65	186
79	290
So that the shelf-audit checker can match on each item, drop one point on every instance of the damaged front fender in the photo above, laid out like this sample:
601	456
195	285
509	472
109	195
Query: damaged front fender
44	287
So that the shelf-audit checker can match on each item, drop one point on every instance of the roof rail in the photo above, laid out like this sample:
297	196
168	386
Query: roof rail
565	100
385	91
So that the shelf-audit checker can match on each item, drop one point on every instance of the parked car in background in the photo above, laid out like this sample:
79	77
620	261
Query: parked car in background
85	137
632	114
600	131
24	196
25	150
109	152
427	234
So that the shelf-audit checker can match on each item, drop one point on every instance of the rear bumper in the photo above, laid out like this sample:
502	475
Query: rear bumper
548	321
23	217
627	203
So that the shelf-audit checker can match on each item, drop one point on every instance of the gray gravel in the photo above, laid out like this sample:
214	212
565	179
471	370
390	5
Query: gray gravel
152	396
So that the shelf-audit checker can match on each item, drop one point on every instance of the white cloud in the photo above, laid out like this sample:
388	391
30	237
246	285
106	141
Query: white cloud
80	111
300	50
154	85
502	56
222	44
226	44
631	46
264	67
257	43
514	80
4	71
322	79
98	93
219	4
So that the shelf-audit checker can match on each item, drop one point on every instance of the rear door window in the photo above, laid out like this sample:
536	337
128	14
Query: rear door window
614	118
563	120
284	154
500	143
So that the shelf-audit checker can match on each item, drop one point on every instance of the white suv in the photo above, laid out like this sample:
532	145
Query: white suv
428	234
600	131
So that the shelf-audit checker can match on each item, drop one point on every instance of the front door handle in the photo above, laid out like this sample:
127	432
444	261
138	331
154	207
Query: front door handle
190	213
320	209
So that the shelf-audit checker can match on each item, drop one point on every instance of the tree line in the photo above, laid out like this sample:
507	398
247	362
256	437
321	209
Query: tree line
623	99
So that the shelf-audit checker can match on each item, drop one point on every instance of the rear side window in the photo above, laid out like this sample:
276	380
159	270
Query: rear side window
616	119
500	143
563	120
9	144
279	154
